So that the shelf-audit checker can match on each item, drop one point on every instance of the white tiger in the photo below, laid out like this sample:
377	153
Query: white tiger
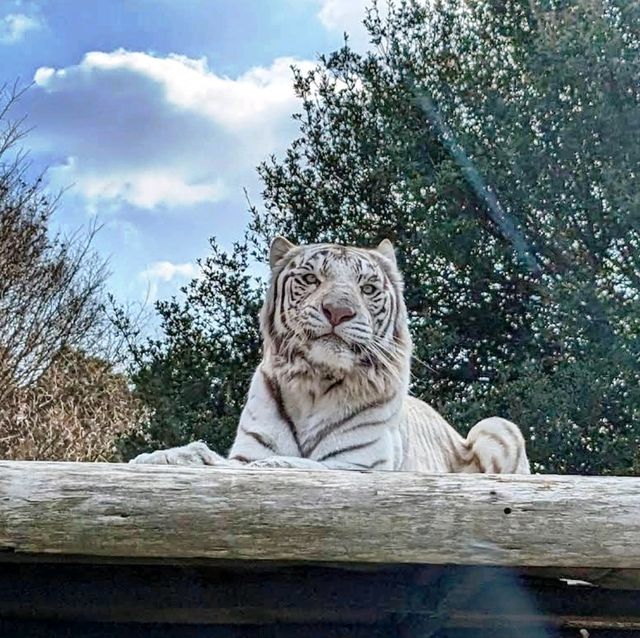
332	388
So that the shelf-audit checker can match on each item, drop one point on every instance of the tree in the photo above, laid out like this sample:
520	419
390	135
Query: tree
78	410
194	380
495	144
51	287
58	399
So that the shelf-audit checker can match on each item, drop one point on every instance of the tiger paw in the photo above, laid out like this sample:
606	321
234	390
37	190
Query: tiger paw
196	453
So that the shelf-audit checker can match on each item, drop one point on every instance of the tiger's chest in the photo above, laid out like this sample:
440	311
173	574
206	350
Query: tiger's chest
335	417
311	408
315	412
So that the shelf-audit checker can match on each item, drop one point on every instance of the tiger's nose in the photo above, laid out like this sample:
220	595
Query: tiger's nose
337	314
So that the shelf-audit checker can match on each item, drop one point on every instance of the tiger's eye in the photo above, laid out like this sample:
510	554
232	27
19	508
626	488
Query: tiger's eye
368	289
310	279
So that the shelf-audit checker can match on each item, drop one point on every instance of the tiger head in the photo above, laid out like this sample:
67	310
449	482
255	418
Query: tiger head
338	307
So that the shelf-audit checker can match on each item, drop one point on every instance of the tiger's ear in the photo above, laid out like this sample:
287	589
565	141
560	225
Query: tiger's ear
279	248
386	249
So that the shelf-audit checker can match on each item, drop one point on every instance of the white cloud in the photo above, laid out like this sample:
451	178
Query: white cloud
347	16
14	26
159	131
339	16
166	271
189	85
144	189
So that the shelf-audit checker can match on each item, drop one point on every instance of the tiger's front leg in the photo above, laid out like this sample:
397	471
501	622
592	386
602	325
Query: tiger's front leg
196	453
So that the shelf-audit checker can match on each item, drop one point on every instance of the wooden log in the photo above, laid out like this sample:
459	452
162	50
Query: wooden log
177	513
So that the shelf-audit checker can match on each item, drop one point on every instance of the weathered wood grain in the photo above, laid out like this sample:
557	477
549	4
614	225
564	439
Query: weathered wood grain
181	513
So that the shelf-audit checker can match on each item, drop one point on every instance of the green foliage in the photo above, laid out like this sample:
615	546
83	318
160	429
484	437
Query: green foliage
496	144
195	378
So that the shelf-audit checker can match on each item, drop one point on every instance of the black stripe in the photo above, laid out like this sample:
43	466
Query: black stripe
359	329
459	458
519	441
260	439
321	252
505	446
241	458
271	326
282	298
350	448
368	424
276	395
397	296
274	302
498	440
364	466
332	427
334	385
397	329
392	314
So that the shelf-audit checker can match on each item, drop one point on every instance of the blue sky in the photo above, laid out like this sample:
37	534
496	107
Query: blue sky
154	113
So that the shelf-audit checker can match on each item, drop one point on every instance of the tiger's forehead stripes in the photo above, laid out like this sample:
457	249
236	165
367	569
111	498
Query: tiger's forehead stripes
332	260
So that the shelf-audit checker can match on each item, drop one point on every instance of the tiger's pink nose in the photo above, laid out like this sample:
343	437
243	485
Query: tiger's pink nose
337	314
